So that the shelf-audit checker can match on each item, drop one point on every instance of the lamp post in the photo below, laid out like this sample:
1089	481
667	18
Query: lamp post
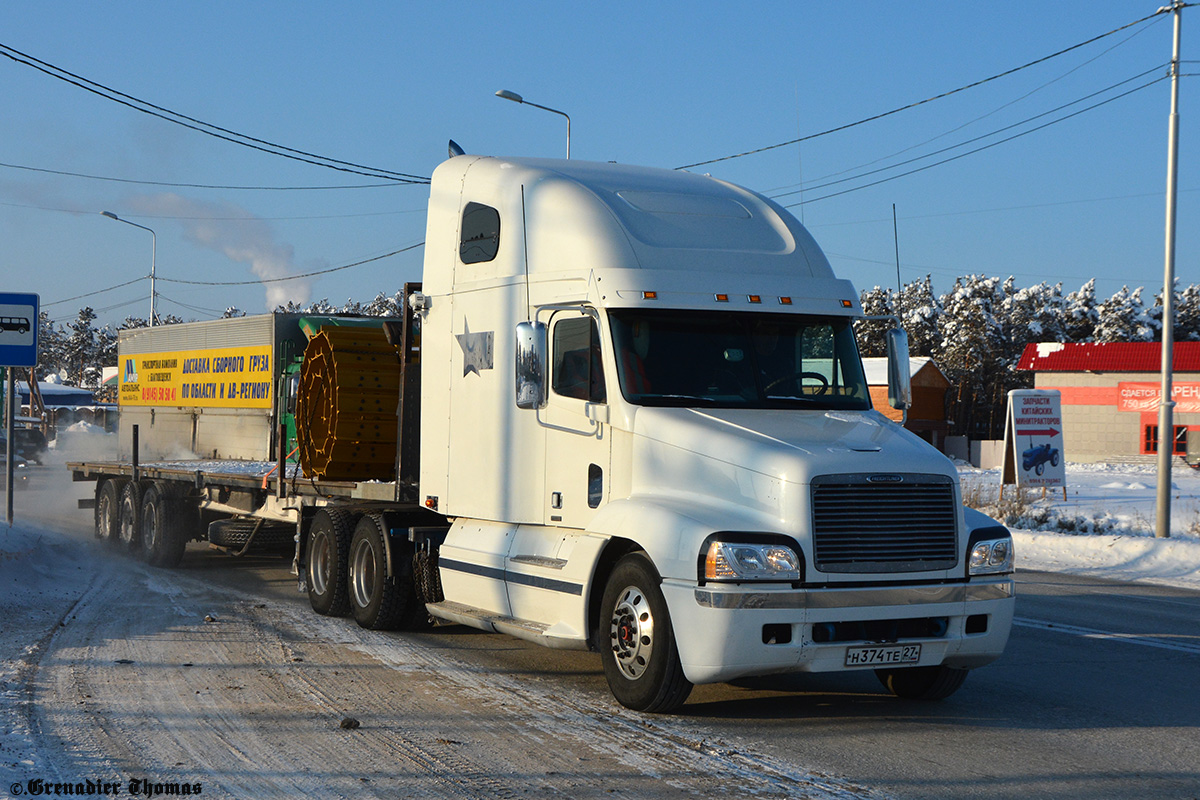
516	98
153	254
1166	423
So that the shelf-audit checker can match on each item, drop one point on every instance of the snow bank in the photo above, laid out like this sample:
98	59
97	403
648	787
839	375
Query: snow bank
1104	526
1174	562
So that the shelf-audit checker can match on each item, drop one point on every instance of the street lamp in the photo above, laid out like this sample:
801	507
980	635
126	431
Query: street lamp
516	98
153	252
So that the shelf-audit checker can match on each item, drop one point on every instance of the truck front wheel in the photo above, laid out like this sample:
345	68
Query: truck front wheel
636	642
922	683
328	554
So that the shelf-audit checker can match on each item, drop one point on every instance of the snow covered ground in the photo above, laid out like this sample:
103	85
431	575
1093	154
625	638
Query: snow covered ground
1104	527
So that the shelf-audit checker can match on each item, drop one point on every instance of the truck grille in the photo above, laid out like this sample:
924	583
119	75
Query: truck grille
884	523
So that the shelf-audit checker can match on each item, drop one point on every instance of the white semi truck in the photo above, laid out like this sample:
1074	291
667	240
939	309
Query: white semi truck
629	415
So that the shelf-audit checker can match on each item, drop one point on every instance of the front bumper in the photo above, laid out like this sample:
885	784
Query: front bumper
725	632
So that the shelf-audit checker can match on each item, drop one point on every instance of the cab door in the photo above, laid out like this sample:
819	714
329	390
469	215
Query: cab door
575	419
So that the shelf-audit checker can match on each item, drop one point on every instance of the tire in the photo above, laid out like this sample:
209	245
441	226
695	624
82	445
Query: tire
235	532
164	534
1040	468
636	642
1054	459
922	683
376	601
108	509
130	527
327	557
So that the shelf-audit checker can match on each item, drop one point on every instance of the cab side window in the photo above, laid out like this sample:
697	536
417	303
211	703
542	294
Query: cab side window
576	369
480	234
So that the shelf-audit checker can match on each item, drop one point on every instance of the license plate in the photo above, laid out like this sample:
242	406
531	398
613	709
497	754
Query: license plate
883	655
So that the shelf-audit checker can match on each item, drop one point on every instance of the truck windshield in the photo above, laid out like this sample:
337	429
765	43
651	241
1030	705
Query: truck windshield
737	360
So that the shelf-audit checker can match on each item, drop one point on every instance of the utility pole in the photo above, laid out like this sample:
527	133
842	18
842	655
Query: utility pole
1166	424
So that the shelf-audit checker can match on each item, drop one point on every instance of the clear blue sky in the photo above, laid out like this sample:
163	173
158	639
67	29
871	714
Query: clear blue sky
667	84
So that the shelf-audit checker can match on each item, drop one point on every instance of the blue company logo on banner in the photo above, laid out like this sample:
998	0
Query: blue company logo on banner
18	330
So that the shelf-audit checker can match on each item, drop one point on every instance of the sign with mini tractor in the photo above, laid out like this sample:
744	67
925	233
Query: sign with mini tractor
1033	439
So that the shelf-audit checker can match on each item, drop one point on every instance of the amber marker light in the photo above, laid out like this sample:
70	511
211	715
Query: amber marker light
649	295
785	301
754	298
722	298
847	304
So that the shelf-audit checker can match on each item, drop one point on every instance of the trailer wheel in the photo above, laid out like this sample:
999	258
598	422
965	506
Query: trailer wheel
328	554
129	529
636	642
163	535
922	683
108	509
376	601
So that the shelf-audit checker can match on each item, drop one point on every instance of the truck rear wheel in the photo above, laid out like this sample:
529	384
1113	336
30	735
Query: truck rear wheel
636	642
922	683
163	534
129	529
108	509
376	600
328	554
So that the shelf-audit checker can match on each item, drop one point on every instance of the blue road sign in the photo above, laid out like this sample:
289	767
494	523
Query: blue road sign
18	330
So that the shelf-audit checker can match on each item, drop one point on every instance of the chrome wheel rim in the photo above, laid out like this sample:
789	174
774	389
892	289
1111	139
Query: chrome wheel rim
318	563
632	632
150	528
362	573
127	532
104	517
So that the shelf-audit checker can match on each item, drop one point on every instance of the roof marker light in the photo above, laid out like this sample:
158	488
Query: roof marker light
785	301
847	304
649	295
754	298
722	298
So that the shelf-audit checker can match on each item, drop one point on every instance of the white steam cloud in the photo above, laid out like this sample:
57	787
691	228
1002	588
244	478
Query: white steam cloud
238	235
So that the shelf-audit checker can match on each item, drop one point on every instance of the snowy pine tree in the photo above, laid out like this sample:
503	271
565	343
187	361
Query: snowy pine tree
870	333
1080	315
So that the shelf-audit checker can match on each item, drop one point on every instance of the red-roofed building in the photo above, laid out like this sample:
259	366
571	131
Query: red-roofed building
1110	395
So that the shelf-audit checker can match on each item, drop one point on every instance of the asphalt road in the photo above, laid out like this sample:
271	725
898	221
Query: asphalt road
1095	697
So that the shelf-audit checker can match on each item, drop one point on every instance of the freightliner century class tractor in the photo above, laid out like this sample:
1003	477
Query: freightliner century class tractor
623	411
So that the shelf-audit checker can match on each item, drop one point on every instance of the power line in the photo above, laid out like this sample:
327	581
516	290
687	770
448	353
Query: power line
981	136
200	185
197	309
941	96
980	118
979	149
878	220
93	294
200	126
293	277
225	219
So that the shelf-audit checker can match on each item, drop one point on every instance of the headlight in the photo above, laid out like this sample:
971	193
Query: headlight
992	557
727	561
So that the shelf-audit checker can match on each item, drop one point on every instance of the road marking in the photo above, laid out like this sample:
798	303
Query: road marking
1192	647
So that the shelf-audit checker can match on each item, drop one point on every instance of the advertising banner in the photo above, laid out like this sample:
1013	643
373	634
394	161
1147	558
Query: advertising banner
1033	440
1139	396
227	377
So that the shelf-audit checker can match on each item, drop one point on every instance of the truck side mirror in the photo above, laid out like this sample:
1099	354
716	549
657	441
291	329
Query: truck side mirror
531	365
899	375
